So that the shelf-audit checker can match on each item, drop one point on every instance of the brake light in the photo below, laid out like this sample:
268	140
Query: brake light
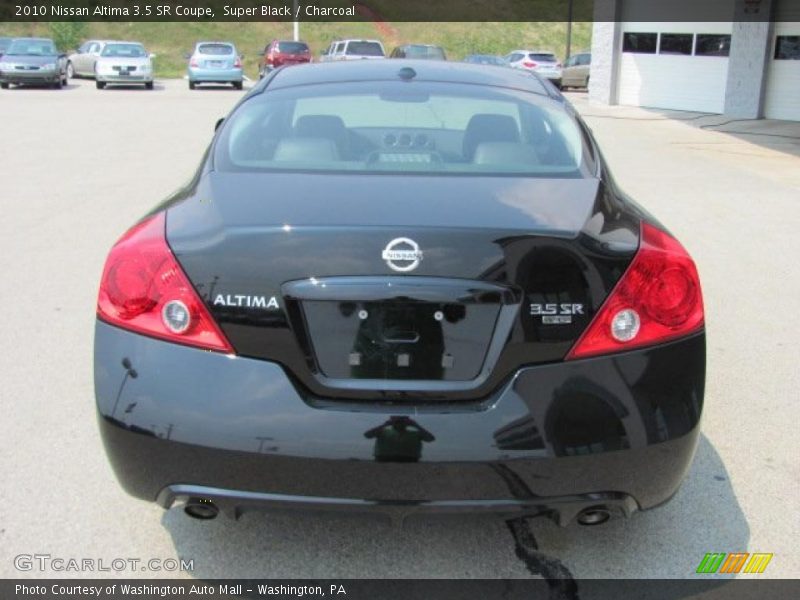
657	299
237	64
529	64
194	63
144	289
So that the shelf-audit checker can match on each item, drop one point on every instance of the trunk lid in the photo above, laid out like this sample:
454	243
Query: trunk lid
390	285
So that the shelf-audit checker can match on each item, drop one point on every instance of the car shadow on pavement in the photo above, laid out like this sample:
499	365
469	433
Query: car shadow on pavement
121	87
215	88
40	88
668	542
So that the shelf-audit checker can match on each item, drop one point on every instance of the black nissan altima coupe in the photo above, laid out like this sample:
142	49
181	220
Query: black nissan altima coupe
401	287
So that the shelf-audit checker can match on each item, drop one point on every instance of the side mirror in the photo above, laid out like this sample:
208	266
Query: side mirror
219	122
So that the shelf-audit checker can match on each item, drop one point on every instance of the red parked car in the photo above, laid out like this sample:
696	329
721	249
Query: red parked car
283	52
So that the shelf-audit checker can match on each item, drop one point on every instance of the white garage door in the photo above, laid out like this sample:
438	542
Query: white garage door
679	66
782	98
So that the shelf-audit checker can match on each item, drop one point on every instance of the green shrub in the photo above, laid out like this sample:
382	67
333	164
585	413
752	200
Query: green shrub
68	35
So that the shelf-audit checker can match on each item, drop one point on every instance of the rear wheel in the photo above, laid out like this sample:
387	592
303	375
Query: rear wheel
4	86
148	85
237	85
191	85
100	85
58	84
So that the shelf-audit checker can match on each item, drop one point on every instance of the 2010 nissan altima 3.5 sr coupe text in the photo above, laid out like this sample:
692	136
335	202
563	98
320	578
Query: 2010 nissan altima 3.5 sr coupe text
401	287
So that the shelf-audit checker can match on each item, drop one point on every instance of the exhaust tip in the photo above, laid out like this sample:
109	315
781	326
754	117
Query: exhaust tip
199	508
596	515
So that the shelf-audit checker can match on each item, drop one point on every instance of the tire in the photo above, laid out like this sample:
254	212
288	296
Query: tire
148	85
70	71
587	82
100	85
58	84
191	85
4	86
238	85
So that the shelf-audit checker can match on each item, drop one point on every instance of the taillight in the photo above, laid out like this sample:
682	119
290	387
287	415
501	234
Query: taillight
194	63
656	300
529	64
144	289
237	64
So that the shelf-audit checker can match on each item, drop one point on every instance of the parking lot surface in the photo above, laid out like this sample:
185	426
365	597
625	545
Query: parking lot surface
79	166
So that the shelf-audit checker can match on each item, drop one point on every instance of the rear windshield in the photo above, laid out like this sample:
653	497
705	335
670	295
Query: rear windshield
364	48
541	57
397	127
32	48
292	47
215	49
429	52
124	50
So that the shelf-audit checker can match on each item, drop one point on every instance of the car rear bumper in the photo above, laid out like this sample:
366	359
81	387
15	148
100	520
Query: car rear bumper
614	431
215	75
286	63
563	510
551	75
105	78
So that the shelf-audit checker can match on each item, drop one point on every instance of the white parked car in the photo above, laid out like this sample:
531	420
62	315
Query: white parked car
353	50
124	63
542	62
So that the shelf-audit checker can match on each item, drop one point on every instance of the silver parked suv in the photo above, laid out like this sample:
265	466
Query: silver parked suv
542	62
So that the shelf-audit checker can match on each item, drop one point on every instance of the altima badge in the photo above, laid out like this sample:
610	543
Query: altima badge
402	254
245	301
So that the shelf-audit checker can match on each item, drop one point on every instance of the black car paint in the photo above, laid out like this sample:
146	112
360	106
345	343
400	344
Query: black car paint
266	421
619	424
243	243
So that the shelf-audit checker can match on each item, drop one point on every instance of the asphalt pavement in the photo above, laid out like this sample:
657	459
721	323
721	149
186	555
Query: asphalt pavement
79	166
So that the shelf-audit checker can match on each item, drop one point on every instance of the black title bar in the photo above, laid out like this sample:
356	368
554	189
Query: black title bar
396	10
711	588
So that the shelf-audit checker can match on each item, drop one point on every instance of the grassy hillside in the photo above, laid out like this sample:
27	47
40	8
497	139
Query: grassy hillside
170	41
